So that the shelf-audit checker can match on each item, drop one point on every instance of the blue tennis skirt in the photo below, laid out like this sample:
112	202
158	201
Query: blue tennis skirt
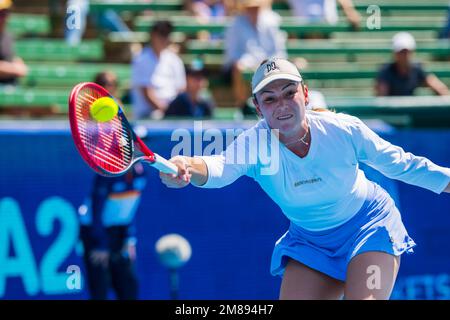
376	227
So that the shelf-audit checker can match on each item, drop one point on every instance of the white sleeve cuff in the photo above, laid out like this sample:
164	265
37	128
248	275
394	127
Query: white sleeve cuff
209	165
445	183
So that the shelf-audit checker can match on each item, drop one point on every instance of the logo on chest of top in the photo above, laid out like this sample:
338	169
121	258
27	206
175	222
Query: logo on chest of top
309	181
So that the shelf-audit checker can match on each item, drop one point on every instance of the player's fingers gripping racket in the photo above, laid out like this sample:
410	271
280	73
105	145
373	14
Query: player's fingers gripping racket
109	147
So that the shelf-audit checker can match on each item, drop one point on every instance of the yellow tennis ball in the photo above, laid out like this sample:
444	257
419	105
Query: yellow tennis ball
104	109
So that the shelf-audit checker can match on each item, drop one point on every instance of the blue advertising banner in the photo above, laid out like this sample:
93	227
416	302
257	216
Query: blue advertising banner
232	230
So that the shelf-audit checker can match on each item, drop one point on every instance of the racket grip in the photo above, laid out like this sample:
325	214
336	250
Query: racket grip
164	165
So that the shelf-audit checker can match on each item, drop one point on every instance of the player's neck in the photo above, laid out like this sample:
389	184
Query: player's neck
301	142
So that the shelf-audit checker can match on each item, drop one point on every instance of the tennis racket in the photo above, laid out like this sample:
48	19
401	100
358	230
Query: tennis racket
110	148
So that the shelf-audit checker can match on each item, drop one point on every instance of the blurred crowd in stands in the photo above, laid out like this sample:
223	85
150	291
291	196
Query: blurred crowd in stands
163	86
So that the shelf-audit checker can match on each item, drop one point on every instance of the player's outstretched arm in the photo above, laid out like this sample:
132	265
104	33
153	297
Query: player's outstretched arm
190	170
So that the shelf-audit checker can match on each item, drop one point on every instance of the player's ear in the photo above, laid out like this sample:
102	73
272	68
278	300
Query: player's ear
305	93
258	110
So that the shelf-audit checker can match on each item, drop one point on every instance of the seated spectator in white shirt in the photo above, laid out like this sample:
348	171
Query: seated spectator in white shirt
254	35
157	75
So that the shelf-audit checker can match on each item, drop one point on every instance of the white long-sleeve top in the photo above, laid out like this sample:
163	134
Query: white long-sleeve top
326	188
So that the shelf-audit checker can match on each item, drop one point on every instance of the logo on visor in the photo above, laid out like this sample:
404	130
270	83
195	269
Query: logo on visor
271	67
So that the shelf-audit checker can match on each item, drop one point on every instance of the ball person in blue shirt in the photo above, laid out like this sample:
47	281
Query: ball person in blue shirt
341	224
108	234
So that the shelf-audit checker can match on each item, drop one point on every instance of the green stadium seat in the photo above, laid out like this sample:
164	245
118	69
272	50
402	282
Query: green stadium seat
323	47
291	25
410	111
356	73
66	75
141	37
417	5
157	5
58	50
386	5
28	24
214	62
33	98
420	36
54	100
171	8
173	5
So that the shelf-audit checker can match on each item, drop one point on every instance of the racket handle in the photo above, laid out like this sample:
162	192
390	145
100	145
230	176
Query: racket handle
164	165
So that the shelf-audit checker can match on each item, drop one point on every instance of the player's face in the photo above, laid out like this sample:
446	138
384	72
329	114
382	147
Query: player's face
282	104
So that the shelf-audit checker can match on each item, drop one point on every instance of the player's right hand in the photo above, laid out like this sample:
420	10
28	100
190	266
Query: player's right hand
182	179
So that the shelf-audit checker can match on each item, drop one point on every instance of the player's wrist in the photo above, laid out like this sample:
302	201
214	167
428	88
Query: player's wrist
198	171
189	162
182	159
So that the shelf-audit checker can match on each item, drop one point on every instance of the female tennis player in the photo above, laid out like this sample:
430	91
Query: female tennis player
346	235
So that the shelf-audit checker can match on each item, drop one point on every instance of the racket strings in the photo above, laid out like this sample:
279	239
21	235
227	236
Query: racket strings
106	157
92	100
109	144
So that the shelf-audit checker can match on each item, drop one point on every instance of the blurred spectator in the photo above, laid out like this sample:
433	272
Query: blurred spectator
11	67
192	103
325	11
402	76
77	14
108	80
107	233
206	10
157	74
254	35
